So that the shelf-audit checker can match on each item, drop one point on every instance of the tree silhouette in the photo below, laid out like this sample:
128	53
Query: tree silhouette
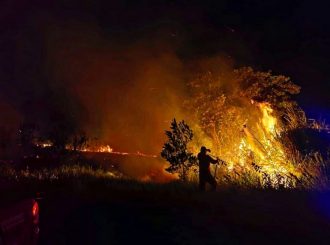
175	149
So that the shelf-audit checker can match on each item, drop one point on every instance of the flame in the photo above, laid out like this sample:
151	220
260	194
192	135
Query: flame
43	144
102	148
255	145
269	122
98	149
265	148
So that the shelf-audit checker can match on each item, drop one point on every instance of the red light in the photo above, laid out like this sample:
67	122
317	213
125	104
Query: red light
35	209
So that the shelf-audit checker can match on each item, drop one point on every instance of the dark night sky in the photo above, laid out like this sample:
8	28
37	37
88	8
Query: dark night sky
288	37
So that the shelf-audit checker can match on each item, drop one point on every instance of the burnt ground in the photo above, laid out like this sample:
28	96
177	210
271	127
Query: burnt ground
130	213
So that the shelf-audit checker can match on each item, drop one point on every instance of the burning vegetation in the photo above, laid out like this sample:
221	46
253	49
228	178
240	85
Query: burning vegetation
247	118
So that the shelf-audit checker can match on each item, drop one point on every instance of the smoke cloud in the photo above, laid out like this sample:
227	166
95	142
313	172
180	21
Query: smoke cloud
71	73
129	92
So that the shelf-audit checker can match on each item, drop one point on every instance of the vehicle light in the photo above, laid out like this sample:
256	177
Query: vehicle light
35	209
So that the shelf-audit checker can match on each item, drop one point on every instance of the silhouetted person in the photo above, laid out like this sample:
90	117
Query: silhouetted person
205	175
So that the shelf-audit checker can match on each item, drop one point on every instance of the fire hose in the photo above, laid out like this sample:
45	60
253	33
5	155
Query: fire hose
216	166
215	171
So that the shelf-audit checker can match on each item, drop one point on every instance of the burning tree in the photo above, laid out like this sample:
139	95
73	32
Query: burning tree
175	149
246	115
208	103
277	91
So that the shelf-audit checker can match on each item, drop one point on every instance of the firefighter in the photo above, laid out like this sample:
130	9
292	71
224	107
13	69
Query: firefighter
205	175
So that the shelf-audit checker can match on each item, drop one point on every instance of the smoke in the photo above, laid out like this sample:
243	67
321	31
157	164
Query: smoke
70	74
129	92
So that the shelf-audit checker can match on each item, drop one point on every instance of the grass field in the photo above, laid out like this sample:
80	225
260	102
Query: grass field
84	206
